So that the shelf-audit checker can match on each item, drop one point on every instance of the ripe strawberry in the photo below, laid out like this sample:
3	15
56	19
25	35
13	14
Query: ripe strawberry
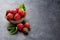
11	11
17	9
17	17
20	11
27	25
24	14
8	11
14	11
20	26
9	16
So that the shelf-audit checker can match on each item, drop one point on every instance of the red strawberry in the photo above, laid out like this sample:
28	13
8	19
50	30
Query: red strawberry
27	25
20	11
7	11
24	14
9	16
17	9
11	11
17	17
14	11
20	26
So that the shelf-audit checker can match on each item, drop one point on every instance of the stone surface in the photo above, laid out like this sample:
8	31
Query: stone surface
43	15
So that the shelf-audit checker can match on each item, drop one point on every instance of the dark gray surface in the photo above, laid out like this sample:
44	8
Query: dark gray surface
43	15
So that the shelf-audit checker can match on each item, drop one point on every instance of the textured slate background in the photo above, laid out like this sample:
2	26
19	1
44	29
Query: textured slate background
43	15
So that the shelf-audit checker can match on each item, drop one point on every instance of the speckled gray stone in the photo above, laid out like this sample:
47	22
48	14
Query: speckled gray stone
43	15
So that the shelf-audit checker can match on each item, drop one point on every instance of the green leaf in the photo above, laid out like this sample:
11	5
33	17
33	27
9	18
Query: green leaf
11	25
22	6
12	29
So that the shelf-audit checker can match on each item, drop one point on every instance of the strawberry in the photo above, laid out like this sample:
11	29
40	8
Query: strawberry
20	11
8	11
27	25
20	26
9	16
14	11
17	9
25	30
17	17
24	14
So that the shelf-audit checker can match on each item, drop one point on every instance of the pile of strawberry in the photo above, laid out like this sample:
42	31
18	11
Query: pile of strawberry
23	27
16	15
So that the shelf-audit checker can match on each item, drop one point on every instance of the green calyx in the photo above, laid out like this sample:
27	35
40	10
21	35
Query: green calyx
26	30
22	6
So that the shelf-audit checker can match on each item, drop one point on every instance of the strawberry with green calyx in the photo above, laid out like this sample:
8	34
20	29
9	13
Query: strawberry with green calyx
25	30
20	11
